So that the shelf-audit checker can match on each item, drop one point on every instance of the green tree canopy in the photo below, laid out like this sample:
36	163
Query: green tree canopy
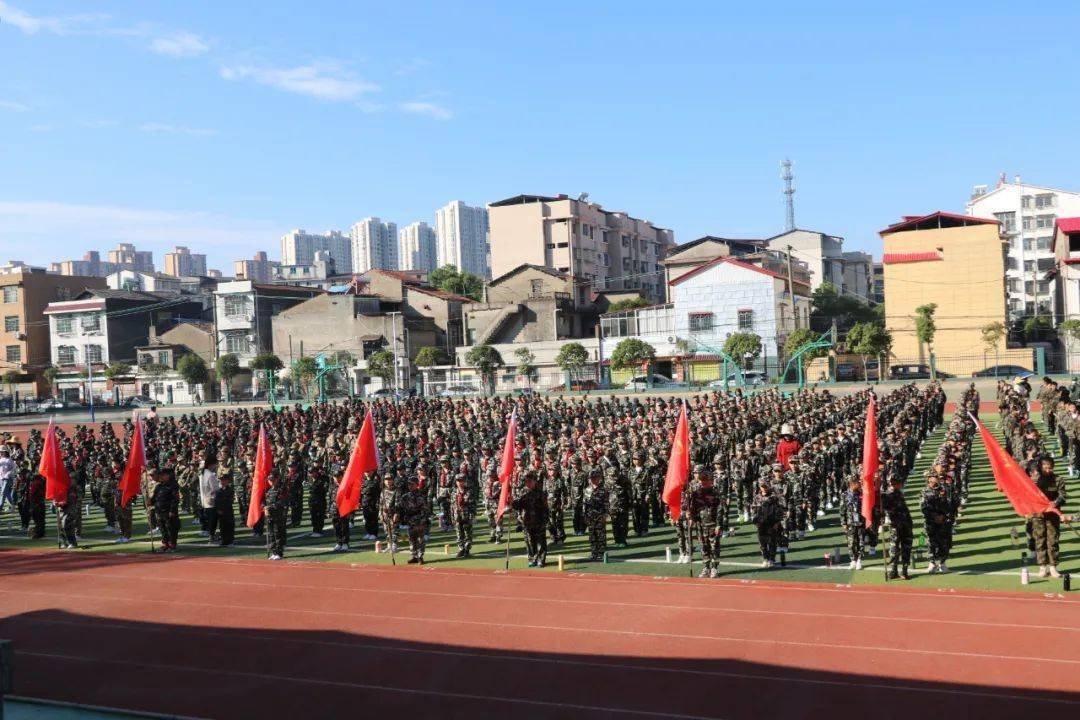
430	356
798	339
192	369
992	335
117	369
227	366
485	358
449	279
304	370
628	304
572	357
743	346
526	362
869	339
11	377
1070	330
925	327
381	365
828	304
632	353
266	361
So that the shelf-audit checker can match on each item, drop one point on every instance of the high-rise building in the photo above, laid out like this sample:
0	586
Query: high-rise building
600	249
1027	214
416	247
91	265
181	262
126	257
374	245
462	233
258	269
298	247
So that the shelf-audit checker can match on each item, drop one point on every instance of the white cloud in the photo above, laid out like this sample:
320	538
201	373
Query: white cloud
13	106
57	25
179	45
324	80
44	231
429	109
167	129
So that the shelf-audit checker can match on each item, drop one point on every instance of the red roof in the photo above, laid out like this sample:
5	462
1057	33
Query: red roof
910	222
897	258
1069	225
731	261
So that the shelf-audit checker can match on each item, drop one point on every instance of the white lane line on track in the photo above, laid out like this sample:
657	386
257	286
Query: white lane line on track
602	603
380	688
563	629
736	676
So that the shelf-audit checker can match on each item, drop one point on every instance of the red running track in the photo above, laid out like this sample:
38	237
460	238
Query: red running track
239	638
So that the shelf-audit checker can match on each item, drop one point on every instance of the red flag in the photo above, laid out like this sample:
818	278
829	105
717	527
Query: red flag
51	467
364	460
263	462
1023	494
678	469
506	467
131	482
870	463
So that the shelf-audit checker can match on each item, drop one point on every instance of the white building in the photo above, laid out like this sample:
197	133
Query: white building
850	272
374	245
416	247
1027	214
136	281
462	233
298	247
720	297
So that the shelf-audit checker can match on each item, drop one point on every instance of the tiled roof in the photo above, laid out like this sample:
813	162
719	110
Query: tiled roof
730	261
911	222
898	258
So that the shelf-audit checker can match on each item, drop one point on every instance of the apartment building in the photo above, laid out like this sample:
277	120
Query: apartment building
298	247
181	262
600	249
374	245
24	334
462	233
417	247
258	269
1027	214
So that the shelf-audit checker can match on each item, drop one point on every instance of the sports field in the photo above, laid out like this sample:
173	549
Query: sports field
985	554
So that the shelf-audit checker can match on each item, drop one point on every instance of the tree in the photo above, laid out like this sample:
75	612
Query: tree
449	279
266	361
50	374
344	358
798	339
11	377
992	335
925	327
632	353
628	304
304	371
743	346
193	370
572	357
1070	330
380	364
487	360
1035	327
154	371
829	304
869	340
526	367
117	370
227	367
430	356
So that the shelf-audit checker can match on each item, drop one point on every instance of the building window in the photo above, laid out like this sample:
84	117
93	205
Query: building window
93	353
236	343
1044	243
235	306
1044	200
163	357
1029	243
1025	201
90	323
746	320
65	355
1029	223
11	293
1007	220
64	325
700	322
1029	265
536	286
1011	263
1044	221
11	323
145	359
13	353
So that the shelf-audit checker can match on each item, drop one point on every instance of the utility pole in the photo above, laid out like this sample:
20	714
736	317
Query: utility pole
89	380
791	289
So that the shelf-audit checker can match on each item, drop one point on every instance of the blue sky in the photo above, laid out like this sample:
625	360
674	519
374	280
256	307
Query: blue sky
221	125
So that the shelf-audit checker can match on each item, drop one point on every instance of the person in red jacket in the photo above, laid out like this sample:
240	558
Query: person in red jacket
788	447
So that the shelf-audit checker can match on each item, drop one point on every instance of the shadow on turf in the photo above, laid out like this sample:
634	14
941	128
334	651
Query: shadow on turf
233	672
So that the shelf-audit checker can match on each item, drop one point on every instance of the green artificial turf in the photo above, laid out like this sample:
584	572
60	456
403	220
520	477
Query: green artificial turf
984	555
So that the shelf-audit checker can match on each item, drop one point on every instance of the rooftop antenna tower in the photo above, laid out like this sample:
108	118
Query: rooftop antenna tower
789	192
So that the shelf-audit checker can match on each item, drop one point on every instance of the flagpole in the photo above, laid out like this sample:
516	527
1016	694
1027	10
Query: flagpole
149	530
686	488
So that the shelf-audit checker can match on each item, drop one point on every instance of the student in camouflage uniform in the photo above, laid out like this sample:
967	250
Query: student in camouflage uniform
595	509
319	485
295	481
339	523
938	515
66	514
1046	527
854	524
415	512
275	510
896	510
532	509
705	508
35	498
554	486
107	481
369	506
492	491
767	512
166	501
640	485
389	511
463	509
619	496
123	515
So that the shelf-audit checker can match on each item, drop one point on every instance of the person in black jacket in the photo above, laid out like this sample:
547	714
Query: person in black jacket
223	505
896	509
166	502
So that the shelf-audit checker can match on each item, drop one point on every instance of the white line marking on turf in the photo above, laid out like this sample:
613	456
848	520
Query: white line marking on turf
565	629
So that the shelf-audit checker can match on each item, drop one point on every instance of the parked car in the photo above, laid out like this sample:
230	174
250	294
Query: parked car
641	382
752	378
845	372
873	370
140	401
1003	371
456	391
914	372
55	405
